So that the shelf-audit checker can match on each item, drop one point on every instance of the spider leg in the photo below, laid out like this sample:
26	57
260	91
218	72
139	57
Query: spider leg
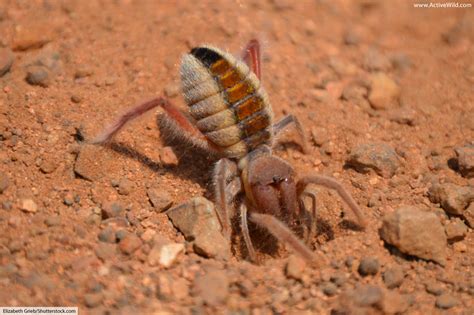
283	125
225	172
251	56
331	183
177	120
245	232
283	234
310	215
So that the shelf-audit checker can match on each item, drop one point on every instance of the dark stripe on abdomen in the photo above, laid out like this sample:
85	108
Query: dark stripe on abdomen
207	56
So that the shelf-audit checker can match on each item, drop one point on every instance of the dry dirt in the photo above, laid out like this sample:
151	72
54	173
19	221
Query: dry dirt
78	64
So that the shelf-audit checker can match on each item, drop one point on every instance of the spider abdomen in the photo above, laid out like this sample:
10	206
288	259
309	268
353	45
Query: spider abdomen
225	98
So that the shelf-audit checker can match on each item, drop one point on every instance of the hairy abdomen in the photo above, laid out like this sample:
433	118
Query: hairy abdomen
226	100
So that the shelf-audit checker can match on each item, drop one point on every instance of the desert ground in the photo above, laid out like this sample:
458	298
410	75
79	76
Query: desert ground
383	90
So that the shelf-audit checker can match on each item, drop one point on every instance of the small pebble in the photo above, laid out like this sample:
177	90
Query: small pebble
452	198
28	205
107	235
198	221
160	199
7	205
393	277
379	157
121	234
83	71
384	92
112	209
164	254
329	288
295	267
172	90
76	98
130	243
446	301
105	251
455	230
15	245
68	199
93	299
319	135
168	157
434	288
48	166
468	215
6	60
465	157
367	294
125	186
38	75
351	38
53	220
349	261
368	266
401	61
460	247
376	61
338	279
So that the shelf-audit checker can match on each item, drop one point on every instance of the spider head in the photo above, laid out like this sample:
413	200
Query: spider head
270	185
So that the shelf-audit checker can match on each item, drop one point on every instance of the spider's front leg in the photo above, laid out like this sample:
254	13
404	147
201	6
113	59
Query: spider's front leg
333	184
176	121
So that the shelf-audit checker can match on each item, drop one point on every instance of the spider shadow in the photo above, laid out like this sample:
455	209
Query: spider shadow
350	225
267	244
194	164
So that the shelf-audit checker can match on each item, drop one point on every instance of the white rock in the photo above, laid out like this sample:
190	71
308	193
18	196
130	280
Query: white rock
164	254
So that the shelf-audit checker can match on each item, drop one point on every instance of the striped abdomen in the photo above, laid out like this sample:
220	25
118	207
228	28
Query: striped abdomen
226	100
